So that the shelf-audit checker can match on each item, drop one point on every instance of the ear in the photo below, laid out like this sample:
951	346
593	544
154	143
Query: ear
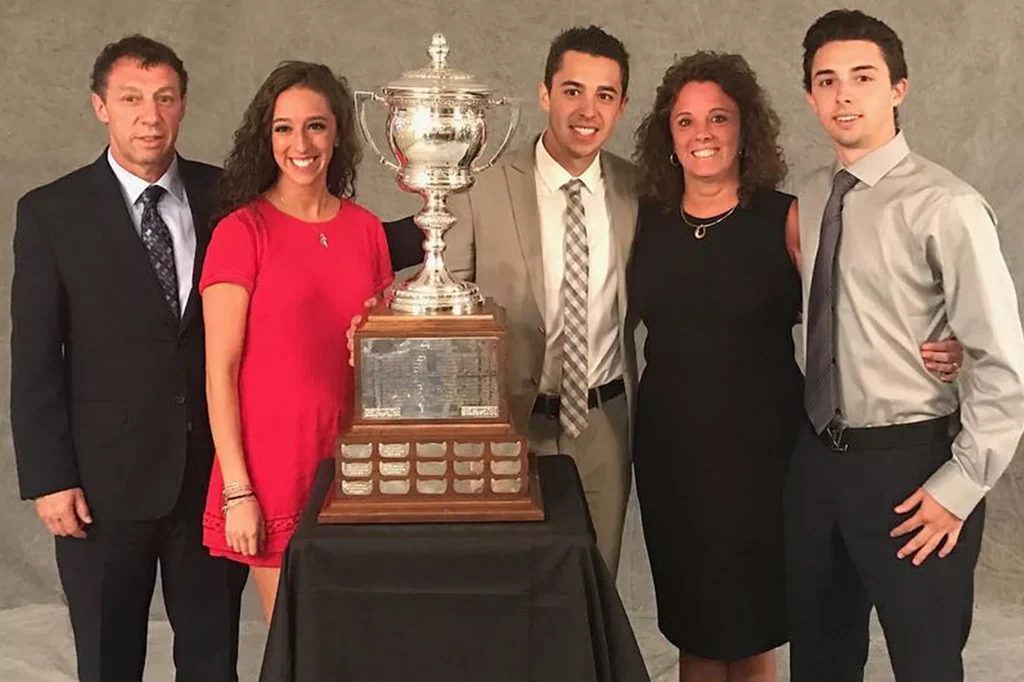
810	101
184	106
99	107
543	96
625	101
899	91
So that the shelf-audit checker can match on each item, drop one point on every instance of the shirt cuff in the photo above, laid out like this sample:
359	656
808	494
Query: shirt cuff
954	490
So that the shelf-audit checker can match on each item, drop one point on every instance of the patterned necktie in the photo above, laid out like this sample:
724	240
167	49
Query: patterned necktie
157	238
821	387
574	385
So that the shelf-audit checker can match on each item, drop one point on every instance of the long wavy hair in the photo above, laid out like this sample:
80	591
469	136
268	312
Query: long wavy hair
762	163
250	168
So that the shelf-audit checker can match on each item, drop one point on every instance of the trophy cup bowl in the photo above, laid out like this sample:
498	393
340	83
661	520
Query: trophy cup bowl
436	128
432	437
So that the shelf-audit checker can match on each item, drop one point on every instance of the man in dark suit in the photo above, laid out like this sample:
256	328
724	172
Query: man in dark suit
108	406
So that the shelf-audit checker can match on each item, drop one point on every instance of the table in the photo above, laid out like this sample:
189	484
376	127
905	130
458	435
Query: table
481	602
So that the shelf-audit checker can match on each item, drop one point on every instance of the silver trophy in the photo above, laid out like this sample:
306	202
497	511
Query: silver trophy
436	128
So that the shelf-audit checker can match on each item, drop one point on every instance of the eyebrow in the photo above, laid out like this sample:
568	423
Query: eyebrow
831	72
711	111
285	119
577	84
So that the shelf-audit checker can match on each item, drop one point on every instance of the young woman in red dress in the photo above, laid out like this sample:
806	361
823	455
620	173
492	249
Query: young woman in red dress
290	263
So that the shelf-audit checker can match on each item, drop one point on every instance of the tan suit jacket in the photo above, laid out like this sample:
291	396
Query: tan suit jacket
497	244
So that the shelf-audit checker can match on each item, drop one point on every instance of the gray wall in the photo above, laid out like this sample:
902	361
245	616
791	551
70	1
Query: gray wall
964	110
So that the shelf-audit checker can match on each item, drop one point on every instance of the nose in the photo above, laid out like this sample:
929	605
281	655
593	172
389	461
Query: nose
148	114
843	93
588	106
302	141
702	130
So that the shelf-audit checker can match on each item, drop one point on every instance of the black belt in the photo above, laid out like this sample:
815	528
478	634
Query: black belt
839	439
548	405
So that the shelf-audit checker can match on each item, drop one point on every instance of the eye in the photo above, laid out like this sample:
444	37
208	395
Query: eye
165	99
719	119
571	92
282	128
130	99
318	125
824	82
864	78
607	96
683	122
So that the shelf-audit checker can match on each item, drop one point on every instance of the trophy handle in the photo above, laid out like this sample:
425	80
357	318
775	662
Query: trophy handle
361	97
513	104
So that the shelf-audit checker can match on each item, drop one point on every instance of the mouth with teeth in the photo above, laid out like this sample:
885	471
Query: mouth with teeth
585	132
304	163
845	119
704	153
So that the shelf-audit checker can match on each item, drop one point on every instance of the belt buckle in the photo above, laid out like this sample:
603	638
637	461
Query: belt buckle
835	436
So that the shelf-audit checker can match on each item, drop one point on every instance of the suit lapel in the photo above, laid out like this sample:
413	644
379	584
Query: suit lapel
621	201
200	202
129	251
522	189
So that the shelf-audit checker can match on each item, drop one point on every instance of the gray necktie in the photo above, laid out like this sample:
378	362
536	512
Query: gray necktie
573	407
821	387
157	238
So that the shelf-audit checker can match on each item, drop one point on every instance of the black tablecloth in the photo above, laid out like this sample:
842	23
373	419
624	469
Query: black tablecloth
481	602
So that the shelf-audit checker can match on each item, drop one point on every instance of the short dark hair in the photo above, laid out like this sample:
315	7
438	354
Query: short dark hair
250	168
147	51
592	40
762	163
852	24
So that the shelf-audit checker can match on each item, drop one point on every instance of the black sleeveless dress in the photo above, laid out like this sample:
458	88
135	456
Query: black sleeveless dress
718	408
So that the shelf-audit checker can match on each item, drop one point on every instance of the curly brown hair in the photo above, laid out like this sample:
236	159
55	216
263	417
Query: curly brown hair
762	163
250	168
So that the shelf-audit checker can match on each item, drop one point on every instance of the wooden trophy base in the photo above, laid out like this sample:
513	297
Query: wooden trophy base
432	439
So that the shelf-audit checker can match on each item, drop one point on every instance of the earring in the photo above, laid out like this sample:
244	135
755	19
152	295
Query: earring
673	159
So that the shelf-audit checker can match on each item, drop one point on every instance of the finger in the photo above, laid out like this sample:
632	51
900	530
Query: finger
952	537
910	502
915	543
950	377
251	544
937	356
913	523
370	302
53	525
82	509
928	548
70	526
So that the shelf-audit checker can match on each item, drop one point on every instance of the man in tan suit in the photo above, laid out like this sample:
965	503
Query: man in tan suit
547	234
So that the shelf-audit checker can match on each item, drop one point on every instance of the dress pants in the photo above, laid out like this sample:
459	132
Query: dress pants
840	561
109	577
601	453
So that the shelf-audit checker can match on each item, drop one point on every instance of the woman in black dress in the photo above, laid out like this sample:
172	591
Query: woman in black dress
712	277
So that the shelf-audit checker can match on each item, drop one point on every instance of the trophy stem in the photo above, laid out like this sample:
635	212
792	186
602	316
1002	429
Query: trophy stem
434	290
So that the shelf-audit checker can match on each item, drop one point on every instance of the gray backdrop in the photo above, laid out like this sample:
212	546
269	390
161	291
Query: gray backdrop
964	110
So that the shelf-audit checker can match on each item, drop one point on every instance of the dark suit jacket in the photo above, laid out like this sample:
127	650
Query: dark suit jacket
107	388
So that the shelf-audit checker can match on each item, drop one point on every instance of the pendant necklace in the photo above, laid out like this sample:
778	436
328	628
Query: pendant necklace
320	234
700	230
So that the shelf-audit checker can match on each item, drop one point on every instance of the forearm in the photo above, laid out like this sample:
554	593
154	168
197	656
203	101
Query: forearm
226	423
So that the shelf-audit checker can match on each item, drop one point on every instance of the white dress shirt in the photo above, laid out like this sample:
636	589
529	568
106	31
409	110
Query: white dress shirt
174	209
919	260
604	358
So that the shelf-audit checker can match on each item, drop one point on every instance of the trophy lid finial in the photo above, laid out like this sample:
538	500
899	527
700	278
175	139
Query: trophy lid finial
438	51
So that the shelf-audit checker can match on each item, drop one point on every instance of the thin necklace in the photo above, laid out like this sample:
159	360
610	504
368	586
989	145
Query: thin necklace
321	236
701	229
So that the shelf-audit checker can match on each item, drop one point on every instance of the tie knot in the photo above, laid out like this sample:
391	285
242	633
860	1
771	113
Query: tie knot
573	187
152	195
843	182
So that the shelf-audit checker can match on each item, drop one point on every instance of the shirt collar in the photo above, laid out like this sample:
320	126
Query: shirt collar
554	175
133	186
874	166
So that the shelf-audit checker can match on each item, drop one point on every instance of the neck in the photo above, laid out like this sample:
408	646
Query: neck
148	172
572	165
306	202
706	197
851	155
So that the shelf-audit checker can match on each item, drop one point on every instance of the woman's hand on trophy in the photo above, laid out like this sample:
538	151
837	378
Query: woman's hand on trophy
357	321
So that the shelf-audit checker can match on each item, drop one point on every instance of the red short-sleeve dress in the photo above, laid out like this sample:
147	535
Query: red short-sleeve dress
295	383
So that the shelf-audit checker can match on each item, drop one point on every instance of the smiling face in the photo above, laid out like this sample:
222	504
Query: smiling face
853	96
584	104
303	133
142	108
705	126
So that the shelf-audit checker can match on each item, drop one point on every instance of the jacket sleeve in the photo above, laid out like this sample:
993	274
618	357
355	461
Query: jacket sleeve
40	414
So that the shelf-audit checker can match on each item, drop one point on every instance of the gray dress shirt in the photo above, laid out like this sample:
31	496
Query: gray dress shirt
920	260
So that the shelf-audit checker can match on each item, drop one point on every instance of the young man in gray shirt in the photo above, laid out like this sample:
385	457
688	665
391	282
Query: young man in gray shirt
885	500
